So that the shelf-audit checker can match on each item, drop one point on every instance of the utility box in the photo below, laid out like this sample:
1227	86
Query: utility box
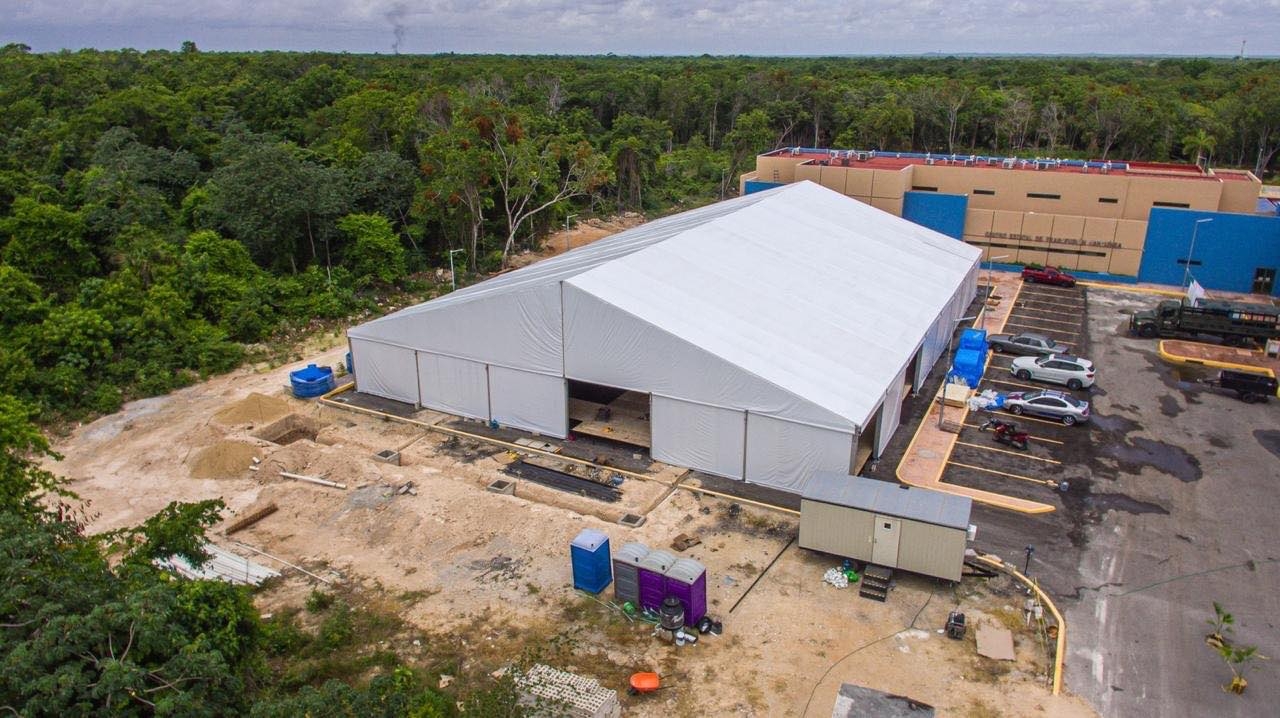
886	524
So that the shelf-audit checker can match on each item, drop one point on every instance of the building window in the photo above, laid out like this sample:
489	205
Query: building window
918	188
1180	205
1043	195
985	191
1108	200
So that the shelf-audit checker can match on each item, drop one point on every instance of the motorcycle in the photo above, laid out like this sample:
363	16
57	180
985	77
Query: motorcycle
1006	432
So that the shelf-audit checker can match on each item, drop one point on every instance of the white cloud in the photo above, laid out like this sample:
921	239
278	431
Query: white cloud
655	26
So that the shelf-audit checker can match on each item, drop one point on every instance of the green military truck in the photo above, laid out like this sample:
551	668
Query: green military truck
1236	323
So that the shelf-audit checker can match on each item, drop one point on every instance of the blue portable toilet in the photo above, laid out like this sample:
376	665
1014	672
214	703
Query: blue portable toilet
589	554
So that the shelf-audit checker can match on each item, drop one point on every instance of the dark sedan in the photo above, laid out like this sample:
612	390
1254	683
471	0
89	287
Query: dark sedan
1026	343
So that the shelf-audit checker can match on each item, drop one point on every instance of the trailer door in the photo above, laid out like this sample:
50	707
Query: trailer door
884	550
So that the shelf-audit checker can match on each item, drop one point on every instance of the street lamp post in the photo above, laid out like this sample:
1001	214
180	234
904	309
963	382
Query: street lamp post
946	357
1186	268
453	278
990	268
566	230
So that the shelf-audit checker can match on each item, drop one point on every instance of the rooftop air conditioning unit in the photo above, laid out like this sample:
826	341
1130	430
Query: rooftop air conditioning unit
863	156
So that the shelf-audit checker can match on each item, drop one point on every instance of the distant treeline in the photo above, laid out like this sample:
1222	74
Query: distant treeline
161	210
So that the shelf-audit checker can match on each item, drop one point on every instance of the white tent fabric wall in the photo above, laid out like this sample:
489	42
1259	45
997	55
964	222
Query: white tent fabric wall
798	305
385	370
452	385
536	402
782	453
699	436
609	346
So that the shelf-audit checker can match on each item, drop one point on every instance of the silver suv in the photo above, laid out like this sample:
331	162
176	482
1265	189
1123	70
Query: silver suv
1075	372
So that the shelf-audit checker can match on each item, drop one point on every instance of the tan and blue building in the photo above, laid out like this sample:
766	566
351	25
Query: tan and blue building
1126	221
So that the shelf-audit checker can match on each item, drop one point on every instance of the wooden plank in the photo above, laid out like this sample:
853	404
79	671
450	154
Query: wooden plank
251	518
626	429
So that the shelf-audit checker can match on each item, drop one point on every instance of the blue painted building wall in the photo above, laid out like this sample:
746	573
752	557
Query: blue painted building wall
1227	251
938	211
753	186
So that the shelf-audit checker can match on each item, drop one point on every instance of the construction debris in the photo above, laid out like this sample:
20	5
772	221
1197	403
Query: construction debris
836	577
222	565
545	691
684	542
406	488
313	480
250	518
995	642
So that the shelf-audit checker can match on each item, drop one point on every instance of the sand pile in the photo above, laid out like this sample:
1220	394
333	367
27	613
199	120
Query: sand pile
253	409
223	459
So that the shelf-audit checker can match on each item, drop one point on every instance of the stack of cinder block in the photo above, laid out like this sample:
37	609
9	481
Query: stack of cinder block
546	691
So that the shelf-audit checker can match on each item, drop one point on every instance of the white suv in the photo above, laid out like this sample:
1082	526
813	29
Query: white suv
1075	372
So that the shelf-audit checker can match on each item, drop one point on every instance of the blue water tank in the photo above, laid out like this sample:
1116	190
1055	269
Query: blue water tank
312	381
589	554
351	366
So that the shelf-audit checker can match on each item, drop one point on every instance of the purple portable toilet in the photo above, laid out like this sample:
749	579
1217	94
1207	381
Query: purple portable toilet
589	554
653	578
626	572
687	581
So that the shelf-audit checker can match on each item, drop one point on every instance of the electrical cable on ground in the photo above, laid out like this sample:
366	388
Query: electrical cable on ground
846	656
1252	562
762	573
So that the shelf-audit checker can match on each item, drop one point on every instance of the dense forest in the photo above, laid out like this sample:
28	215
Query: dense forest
163	215
162	211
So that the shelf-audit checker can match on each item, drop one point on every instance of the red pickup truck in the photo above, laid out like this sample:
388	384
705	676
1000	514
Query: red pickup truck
1048	275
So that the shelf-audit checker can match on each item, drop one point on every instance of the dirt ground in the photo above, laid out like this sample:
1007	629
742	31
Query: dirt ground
476	561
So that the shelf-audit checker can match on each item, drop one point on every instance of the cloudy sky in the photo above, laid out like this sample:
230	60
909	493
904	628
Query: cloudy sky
654	27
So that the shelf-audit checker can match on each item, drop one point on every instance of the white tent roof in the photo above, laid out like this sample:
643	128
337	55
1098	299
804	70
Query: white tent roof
800	287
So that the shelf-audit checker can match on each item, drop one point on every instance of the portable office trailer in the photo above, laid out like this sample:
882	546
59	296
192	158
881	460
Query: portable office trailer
886	524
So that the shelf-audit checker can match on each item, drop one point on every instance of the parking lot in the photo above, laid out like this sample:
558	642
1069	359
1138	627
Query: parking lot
1035	473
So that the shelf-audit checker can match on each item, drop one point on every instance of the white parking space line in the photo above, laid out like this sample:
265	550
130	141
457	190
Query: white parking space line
1048	311
1013	383
1032	326
1042	482
1053	321
1006	451
1033	438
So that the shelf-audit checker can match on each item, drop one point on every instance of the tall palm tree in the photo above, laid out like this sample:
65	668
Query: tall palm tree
1199	142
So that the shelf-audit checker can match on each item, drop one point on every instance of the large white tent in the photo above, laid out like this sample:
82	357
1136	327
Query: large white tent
775	333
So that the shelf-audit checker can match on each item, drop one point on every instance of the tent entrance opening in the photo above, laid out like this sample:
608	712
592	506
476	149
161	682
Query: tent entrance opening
866	445
611	413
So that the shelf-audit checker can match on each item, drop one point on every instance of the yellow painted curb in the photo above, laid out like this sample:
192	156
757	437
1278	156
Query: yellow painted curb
1133	288
1179	359
1061	650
